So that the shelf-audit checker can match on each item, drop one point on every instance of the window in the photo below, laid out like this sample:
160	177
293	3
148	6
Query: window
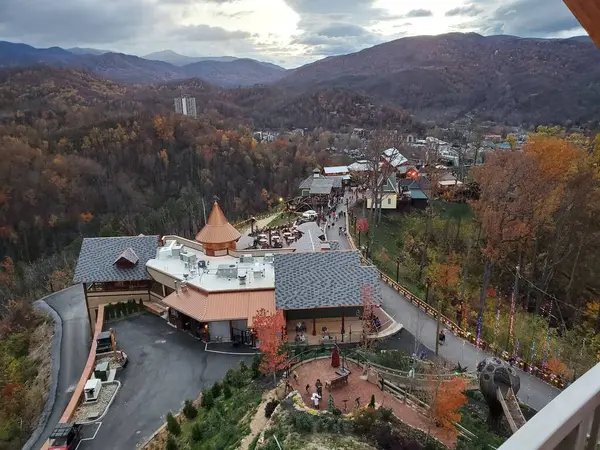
389	201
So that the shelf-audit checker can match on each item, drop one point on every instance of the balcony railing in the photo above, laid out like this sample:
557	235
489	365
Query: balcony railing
569	422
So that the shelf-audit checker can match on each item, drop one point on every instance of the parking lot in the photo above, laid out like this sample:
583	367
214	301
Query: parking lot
165	368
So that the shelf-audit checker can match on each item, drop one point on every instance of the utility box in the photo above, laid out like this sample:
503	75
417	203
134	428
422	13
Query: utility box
101	371
104	342
92	389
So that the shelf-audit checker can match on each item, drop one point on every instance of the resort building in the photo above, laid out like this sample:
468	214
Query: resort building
212	290
113	270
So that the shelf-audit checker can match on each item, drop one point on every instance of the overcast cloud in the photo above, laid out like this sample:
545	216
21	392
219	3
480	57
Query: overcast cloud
287	32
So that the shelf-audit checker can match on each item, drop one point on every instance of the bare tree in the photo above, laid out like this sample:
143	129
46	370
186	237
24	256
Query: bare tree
381	152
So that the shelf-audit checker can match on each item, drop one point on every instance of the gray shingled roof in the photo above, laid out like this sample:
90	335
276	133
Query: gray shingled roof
312	227
97	259
323	280
320	184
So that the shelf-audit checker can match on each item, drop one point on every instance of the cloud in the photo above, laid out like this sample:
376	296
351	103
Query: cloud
333	27
207	33
467	10
418	13
234	15
526	18
71	23
342	30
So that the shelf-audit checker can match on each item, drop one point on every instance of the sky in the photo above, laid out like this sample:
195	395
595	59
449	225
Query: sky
286	32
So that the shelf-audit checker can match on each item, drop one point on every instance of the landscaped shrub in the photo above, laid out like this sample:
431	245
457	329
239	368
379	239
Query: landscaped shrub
372	402
270	407
235	378
171	443
243	367
173	426
302	422
189	410
226	390
216	390
256	366
364	419
196	433
385	414
208	400
336	412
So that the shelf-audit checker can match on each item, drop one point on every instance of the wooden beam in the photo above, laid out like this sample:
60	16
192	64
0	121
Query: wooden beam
587	12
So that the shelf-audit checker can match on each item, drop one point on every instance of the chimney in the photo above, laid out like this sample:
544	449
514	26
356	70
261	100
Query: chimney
177	287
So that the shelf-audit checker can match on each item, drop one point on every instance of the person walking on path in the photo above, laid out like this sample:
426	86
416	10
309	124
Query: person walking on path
319	387
315	398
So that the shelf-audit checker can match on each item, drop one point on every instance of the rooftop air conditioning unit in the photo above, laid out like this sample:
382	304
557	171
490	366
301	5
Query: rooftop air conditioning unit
242	276
176	250
269	258
247	259
188	258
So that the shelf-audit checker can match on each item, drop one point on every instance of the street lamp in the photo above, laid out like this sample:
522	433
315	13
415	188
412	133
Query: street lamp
398	269
427	291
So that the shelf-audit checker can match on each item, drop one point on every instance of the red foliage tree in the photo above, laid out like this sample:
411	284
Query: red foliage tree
270	331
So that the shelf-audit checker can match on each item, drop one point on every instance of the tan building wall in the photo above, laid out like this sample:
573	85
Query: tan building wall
388	201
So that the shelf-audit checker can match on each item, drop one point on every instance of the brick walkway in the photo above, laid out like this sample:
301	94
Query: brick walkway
357	387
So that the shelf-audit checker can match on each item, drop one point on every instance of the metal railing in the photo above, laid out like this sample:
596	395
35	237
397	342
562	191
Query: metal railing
569	422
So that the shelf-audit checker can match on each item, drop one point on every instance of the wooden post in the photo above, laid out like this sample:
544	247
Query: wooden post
87	307
343	326
314	333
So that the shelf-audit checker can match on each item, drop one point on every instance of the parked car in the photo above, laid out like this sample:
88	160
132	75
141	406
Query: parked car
310	214
66	436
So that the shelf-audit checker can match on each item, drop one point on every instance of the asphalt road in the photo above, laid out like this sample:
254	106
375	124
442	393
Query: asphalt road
534	392
76	339
166	367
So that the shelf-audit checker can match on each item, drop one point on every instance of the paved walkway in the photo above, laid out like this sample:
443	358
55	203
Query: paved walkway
262	223
534	392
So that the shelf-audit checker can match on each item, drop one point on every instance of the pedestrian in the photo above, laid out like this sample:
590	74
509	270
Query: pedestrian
315	398
319	387
308	388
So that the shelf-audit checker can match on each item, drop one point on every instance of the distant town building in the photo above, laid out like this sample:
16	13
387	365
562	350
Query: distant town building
186	106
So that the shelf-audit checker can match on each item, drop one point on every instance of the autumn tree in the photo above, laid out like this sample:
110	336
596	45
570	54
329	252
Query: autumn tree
446	398
270	332
444	277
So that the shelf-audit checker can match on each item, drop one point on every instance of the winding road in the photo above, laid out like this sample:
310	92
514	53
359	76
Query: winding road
70	306
534	392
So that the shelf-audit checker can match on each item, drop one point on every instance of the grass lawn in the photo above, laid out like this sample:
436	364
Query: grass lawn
389	234
284	219
455	211
387	247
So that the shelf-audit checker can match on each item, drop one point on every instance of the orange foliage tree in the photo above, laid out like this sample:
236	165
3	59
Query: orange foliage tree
447	398
270	331
558	367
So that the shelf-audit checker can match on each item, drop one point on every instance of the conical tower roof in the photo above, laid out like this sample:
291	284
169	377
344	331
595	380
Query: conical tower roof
217	230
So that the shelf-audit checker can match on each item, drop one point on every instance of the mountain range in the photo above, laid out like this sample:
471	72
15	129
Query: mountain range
505	79
225	72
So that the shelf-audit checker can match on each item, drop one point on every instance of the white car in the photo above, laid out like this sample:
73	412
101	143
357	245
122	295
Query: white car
310	214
